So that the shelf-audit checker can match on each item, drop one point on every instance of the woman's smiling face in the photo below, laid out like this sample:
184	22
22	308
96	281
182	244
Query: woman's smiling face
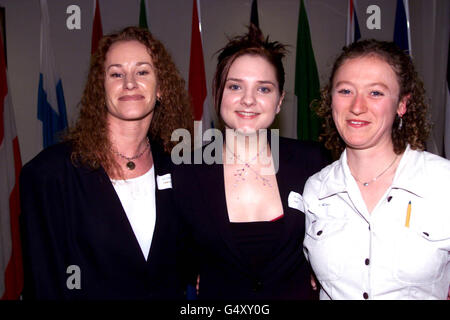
131	84
365	100
251	96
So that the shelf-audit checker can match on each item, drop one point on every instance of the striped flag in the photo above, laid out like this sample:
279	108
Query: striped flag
254	14
51	105
307	85
11	281
197	78
353	33
97	30
143	16
401	30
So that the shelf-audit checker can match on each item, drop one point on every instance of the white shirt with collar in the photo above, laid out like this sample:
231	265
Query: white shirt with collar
360	255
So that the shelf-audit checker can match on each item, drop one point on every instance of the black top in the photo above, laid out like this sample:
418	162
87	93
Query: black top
72	216
257	241
225	273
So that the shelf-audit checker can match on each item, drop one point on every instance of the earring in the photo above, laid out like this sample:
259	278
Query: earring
400	124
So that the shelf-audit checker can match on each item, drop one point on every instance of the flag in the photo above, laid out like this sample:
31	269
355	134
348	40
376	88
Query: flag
197	91
401	29
353	33
197	78
51	105
11	281
143	16
254	14
307	85
97	30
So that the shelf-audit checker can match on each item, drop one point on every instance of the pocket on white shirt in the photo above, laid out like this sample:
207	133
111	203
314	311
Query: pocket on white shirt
324	243
418	258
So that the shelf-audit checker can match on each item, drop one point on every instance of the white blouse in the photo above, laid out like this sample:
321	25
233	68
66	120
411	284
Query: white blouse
137	196
357	255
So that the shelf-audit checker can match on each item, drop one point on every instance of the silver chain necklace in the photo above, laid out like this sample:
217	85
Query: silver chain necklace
365	184
130	164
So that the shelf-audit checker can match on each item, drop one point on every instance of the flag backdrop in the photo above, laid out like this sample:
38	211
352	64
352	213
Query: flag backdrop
97	30
143	16
51	105
353	33
11	281
254	13
307	85
401	28
197	90
197	77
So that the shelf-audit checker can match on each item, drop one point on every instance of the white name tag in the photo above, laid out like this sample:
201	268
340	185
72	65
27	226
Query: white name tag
295	200
164	182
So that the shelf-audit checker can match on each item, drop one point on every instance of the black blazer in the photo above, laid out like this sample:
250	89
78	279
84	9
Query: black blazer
224	273
73	216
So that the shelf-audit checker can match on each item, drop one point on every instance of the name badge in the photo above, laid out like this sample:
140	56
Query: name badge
295	200
164	182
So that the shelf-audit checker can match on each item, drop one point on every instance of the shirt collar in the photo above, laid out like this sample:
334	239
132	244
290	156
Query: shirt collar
408	176
336	180
410	172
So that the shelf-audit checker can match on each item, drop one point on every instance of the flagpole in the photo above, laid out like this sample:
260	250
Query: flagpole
348	36
42	33
199	21
406	5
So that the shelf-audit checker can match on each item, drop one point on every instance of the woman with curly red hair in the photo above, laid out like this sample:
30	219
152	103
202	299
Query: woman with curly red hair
96	216
377	223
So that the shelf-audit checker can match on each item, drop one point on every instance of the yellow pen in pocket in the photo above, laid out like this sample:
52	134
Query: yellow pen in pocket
408	215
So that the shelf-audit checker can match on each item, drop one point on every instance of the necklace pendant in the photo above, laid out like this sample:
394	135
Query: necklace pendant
131	165
365	184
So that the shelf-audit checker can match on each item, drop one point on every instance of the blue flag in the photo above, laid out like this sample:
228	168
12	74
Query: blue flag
51	105
254	14
401	27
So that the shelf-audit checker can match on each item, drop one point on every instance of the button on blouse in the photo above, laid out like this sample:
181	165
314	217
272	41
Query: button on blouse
357	255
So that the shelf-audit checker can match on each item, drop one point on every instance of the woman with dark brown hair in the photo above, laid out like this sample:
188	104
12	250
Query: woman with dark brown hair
243	211
97	221
377	219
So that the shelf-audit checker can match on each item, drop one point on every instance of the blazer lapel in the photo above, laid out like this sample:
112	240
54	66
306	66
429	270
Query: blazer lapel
161	164
212	175
110	210
287	182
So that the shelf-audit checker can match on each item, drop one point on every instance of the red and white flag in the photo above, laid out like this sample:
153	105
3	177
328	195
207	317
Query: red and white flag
11	281
353	32
197	77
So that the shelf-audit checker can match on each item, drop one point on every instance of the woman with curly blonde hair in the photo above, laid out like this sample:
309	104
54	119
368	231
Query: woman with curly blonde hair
376	221
97	220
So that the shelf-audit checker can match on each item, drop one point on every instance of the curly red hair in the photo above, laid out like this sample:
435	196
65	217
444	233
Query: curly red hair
416	127
89	137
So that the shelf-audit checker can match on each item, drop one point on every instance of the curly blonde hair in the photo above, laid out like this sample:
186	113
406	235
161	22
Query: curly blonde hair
89	137
416	127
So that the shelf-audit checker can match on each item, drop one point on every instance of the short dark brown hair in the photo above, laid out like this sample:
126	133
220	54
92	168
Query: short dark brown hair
251	43
416	127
